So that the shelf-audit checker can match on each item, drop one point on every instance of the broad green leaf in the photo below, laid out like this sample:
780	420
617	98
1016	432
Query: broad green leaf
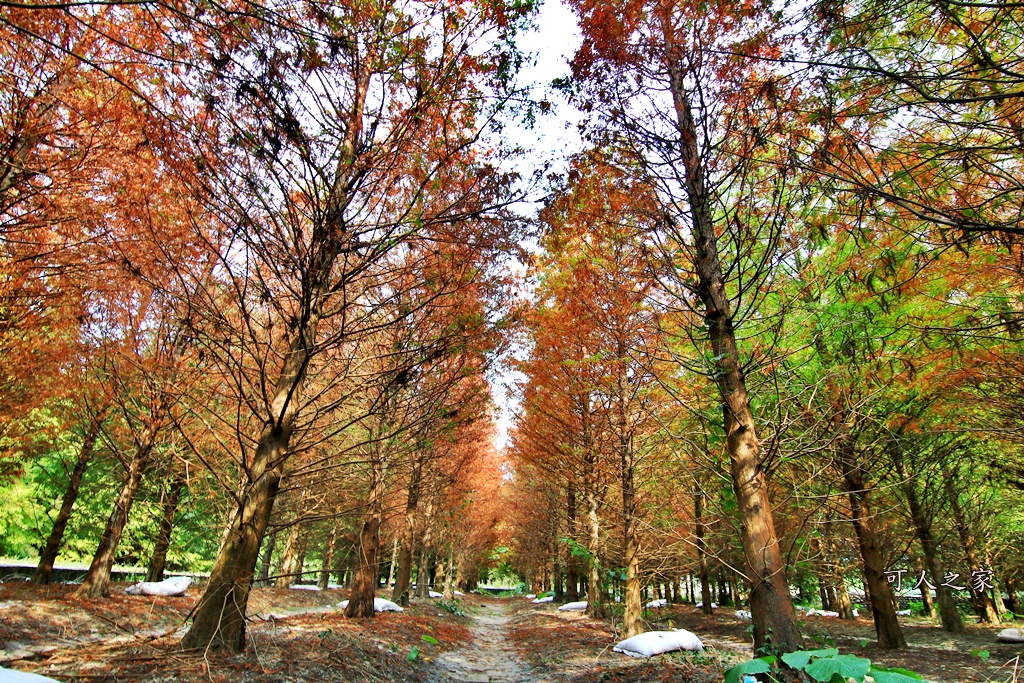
755	666
430	639
847	666
883	675
800	658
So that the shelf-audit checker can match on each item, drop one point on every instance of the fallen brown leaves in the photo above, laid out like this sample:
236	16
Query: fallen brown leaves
317	645
574	648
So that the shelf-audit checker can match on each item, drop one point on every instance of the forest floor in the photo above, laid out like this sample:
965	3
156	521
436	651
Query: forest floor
298	636
574	648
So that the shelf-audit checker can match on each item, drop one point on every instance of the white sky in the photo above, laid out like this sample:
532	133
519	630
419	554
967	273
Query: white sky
549	47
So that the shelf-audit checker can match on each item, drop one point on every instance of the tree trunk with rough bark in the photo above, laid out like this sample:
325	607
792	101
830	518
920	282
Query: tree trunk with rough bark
926	595
774	618
328	557
595	603
286	568
158	560
570	562
984	606
366	579
423	567
54	541
400	594
700	529
887	626
948	613
97	580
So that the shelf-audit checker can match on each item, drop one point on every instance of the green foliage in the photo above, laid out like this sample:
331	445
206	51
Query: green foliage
825	666
577	549
429	639
414	654
453	606
760	665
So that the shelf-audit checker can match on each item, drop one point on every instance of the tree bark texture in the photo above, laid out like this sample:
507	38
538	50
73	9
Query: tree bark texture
983	603
48	556
97	580
774	618
163	538
887	626
400	594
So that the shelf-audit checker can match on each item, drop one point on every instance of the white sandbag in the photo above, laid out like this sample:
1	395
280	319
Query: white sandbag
574	606
531	596
458	594
176	585
12	676
654	604
379	605
304	587
903	612
744	614
1011	635
435	594
549	598
714	605
821	613
658	642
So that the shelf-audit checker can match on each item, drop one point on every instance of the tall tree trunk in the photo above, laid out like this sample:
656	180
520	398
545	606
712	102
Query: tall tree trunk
887	627
948	613
286	568
97	580
983	603
163	537
265	561
400	594
328	557
219	621
770	604
570	562
392	566
366	580
423	567
702	553
449	576
595	605
926	595
53	542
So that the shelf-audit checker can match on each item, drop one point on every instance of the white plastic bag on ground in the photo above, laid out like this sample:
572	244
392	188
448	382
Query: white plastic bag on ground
661	602
658	642
714	605
903	612
856	612
573	606
531	596
458	594
435	594
379	605
538	601
743	614
12	676
304	587
823	613
176	585
1011	635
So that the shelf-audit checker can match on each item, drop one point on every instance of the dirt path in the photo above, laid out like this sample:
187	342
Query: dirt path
490	658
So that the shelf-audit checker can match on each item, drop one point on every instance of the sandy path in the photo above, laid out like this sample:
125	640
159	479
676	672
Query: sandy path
490	658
